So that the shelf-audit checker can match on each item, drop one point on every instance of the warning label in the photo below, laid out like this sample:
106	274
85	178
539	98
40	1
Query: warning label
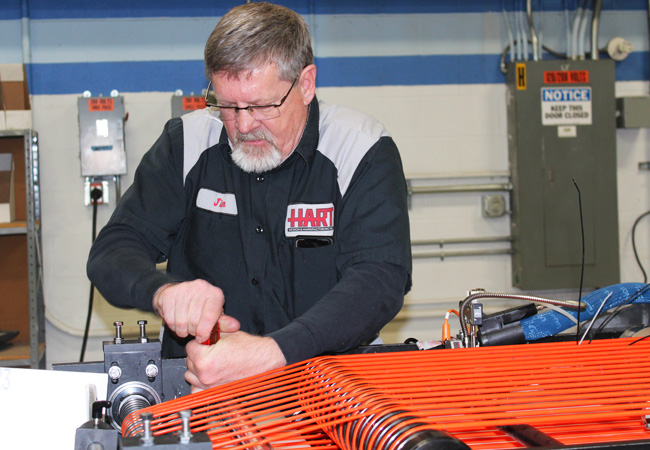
192	103
100	104
566	106
521	76
566	76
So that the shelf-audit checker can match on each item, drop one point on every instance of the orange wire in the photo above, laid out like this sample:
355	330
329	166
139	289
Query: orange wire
575	394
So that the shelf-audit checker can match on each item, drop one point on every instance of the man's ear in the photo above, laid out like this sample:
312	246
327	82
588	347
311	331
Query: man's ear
307	84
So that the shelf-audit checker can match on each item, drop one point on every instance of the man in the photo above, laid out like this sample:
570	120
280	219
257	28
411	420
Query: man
282	219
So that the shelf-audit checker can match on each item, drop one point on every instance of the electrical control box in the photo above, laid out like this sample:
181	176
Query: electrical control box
101	136
633	112
562	152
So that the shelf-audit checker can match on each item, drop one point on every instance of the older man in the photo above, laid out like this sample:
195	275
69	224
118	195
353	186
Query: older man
282	219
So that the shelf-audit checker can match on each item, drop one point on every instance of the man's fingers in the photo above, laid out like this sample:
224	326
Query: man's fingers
181	313
208	319
236	356
194	382
189	308
201	354
228	324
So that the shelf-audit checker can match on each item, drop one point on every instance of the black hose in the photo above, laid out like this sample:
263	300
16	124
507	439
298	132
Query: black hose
636	254
95	195
582	265
504	53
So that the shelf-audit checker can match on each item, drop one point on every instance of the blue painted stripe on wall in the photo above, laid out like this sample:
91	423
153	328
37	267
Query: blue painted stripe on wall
182	38
168	76
10	10
409	70
48	9
635	67
100	78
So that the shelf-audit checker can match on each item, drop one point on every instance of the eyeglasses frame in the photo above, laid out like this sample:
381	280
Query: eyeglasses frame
249	108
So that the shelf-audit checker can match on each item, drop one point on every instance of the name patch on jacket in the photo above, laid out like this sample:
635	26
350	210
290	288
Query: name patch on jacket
309	219
218	202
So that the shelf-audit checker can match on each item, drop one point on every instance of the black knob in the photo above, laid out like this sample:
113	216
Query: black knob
98	408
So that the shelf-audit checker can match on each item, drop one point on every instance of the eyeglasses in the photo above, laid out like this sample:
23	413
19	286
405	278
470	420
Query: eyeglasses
262	112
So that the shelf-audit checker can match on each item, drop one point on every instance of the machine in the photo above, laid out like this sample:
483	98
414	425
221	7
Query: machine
513	379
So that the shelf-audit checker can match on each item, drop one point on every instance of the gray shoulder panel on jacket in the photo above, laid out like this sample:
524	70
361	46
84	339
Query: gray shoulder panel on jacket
201	130
346	135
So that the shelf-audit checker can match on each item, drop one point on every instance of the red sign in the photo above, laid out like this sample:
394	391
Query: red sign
566	76
192	103
100	104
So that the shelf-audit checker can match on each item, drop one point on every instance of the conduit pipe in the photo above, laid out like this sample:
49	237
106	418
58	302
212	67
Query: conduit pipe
573	50
524	35
443	255
595	25
511	39
24	25
474	240
531	25
459	188
583	31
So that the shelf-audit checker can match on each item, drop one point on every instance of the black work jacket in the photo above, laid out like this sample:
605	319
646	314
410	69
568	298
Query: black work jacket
315	253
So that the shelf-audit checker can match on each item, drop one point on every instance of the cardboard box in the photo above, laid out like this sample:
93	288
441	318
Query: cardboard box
7	203
14	98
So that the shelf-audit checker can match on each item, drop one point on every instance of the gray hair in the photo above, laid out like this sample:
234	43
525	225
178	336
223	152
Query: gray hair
254	34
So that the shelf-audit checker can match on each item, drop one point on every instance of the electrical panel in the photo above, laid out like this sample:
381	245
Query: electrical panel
101	136
633	112
562	151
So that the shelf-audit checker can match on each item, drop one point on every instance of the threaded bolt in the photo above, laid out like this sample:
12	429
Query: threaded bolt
118	332
147	437
143	333
186	434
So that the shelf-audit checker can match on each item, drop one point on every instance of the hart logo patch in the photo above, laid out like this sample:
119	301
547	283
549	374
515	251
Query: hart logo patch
217	202
309	219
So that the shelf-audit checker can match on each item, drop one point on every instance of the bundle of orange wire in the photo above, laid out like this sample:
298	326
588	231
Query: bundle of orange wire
575	394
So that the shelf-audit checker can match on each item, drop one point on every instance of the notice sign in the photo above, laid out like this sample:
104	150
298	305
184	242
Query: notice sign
566	106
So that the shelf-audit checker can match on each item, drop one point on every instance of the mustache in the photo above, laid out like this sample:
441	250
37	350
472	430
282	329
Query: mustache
257	135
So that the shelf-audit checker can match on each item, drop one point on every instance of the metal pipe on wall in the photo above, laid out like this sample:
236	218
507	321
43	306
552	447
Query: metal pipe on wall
595	25
531	25
582	32
575	29
474	240
443	255
26	35
459	188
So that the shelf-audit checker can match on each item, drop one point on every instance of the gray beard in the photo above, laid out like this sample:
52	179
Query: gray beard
251	160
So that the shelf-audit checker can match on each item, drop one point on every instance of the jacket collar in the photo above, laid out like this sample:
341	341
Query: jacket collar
306	148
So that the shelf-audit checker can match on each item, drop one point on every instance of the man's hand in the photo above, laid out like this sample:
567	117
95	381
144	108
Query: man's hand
235	356
189	308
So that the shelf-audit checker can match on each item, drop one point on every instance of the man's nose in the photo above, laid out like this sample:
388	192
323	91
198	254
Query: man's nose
245	121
